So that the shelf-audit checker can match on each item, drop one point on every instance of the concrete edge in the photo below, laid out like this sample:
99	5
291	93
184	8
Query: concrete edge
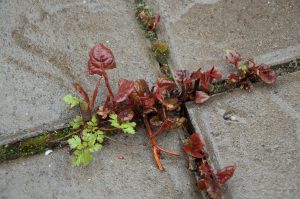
279	56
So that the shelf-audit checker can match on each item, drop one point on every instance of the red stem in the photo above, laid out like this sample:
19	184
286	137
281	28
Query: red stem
95	94
108	87
166	151
154	147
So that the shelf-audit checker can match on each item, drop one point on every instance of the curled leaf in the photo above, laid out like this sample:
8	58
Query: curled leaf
165	83
233	57
125	116
147	102
194	146
266	74
182	75
102	57
141	87
201	97
225	174
103	112
172	104
177	122
214	73
202	185
232	78
125	89
205	169
155	121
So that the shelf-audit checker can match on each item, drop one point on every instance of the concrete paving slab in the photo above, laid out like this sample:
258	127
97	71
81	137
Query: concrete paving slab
108	176
262	137
199	31
44	49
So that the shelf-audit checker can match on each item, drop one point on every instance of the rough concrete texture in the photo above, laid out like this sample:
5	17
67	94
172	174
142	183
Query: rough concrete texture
199	31
108	176
44	49
261	138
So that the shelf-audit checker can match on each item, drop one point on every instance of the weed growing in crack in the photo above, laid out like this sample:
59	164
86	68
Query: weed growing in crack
157	106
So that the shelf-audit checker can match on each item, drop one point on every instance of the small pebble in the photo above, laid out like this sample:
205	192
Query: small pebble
48	152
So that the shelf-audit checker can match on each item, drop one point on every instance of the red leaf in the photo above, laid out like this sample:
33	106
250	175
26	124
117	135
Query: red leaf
154	23
232	78
182	75
205	169
141	87
202	185
85	97
214	73
204	81
95	94
171	103
165	83
194	146
225	174
201	97
82	92
147	102
125	116
101	57
125	89
165	125
266	74
233	57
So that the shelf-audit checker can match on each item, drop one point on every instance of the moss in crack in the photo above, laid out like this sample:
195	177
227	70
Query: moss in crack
289	67
161	51
32	146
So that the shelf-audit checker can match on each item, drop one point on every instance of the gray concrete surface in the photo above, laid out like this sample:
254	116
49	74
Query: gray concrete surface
44	49
262	139
108	176
199	31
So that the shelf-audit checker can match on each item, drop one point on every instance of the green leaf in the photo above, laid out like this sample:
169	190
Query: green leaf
100	136
71	101
113	116
86	158
127	127
77	122
93	123
74	142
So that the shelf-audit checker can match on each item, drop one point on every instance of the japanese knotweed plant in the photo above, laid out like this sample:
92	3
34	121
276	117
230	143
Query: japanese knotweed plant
157	106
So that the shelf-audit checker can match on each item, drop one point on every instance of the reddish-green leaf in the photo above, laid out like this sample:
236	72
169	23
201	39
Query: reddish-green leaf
225	174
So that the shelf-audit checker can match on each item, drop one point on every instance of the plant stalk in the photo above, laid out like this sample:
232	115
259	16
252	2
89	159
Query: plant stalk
153	142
